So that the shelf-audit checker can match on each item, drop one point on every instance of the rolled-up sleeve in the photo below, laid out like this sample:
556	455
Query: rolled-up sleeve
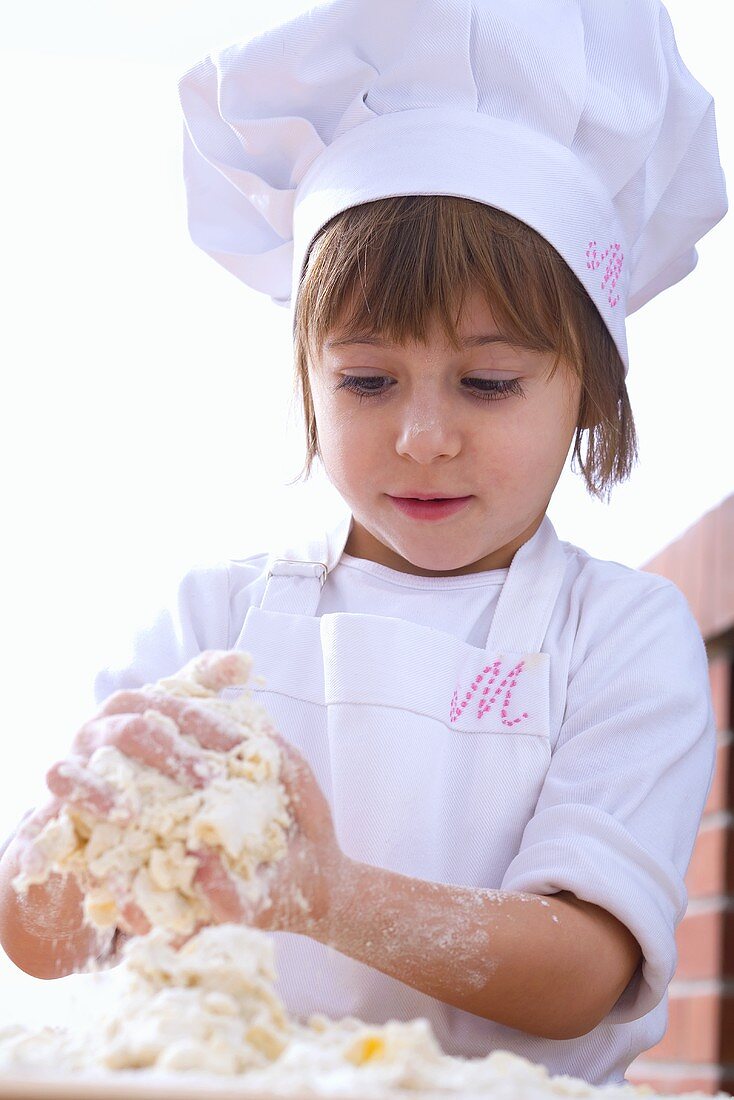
623	797
195	618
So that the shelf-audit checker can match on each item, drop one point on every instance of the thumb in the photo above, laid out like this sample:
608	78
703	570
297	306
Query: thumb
220	890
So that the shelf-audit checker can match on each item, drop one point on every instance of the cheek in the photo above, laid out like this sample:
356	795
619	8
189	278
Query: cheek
551	437
520	448
505	438
345	439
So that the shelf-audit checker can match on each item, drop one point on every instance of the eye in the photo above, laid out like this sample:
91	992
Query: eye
496	388
363	387
485	389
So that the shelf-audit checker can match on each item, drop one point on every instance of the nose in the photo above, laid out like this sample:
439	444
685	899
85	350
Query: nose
427	431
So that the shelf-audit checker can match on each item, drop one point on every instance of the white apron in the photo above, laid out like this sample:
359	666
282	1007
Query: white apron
432	753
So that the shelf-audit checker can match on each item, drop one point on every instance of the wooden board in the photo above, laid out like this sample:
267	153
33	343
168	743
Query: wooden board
130	1086
126	1087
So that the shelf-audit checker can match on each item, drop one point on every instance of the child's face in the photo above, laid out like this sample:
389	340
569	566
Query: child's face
430	431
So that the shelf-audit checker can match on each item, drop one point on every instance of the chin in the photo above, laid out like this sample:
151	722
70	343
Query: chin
434	564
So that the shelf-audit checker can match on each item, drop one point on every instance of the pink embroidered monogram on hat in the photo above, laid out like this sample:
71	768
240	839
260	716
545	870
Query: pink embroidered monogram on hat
485	704
615	258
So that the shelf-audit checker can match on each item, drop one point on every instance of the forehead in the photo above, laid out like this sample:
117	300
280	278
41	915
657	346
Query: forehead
355	324
475	327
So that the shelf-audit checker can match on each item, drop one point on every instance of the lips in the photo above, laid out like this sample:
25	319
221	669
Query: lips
427	496
438	509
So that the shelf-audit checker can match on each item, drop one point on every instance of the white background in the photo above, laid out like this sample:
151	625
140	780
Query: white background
147	418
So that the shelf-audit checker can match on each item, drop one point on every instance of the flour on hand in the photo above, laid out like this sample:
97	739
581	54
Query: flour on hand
146	854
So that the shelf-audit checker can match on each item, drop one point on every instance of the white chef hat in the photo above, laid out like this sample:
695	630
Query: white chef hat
575	116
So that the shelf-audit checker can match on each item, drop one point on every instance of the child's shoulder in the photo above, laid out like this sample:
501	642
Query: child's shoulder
247	579
592	571
630	636
202	577
603	594
243	571
215	588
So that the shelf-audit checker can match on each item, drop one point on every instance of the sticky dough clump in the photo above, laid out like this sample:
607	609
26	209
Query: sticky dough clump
242	813
207	1013
208	1006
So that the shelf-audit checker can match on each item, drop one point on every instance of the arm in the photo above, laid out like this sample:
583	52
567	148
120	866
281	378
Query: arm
550	966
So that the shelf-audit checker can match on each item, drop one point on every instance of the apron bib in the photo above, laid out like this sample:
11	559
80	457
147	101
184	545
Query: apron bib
431	752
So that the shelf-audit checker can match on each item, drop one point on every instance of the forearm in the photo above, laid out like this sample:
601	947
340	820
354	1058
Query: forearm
532	963
43	931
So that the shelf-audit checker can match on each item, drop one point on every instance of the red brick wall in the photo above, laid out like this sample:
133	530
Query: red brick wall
697	1050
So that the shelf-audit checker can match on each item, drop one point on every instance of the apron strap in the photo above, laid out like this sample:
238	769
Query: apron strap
297	574
529	594
520	622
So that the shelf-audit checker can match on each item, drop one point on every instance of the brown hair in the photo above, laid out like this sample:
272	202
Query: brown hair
389	266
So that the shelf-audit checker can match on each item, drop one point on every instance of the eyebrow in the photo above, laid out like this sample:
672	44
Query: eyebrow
478	341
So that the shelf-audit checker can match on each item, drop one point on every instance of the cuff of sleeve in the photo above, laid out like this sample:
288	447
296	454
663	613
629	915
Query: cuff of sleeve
588	852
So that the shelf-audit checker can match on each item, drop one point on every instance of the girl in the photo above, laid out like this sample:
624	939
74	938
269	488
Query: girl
498	747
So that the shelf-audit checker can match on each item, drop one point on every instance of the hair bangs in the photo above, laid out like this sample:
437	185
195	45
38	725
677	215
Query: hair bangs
393	267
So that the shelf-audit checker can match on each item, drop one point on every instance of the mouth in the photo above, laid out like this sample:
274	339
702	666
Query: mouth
430	508
427	497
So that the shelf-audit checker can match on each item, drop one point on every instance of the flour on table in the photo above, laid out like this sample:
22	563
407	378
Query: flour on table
208	1011
242	813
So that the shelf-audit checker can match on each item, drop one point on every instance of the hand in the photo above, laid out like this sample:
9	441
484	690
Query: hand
301	887
123	723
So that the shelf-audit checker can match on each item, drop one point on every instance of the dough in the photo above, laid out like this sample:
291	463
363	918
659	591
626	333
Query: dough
208	1006
242	813
209	1010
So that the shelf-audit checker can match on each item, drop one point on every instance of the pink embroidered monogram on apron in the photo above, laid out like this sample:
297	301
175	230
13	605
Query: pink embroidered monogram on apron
374	703
493	672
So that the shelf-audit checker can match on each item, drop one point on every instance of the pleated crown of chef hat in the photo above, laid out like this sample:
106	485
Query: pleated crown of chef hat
575	116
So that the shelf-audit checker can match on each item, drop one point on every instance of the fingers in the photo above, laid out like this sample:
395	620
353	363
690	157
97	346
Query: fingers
150	738
221	892
308	802
71	782
95	733
33	823
133	920
293	762
295	772
219	668
154	741
210	729
31	861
